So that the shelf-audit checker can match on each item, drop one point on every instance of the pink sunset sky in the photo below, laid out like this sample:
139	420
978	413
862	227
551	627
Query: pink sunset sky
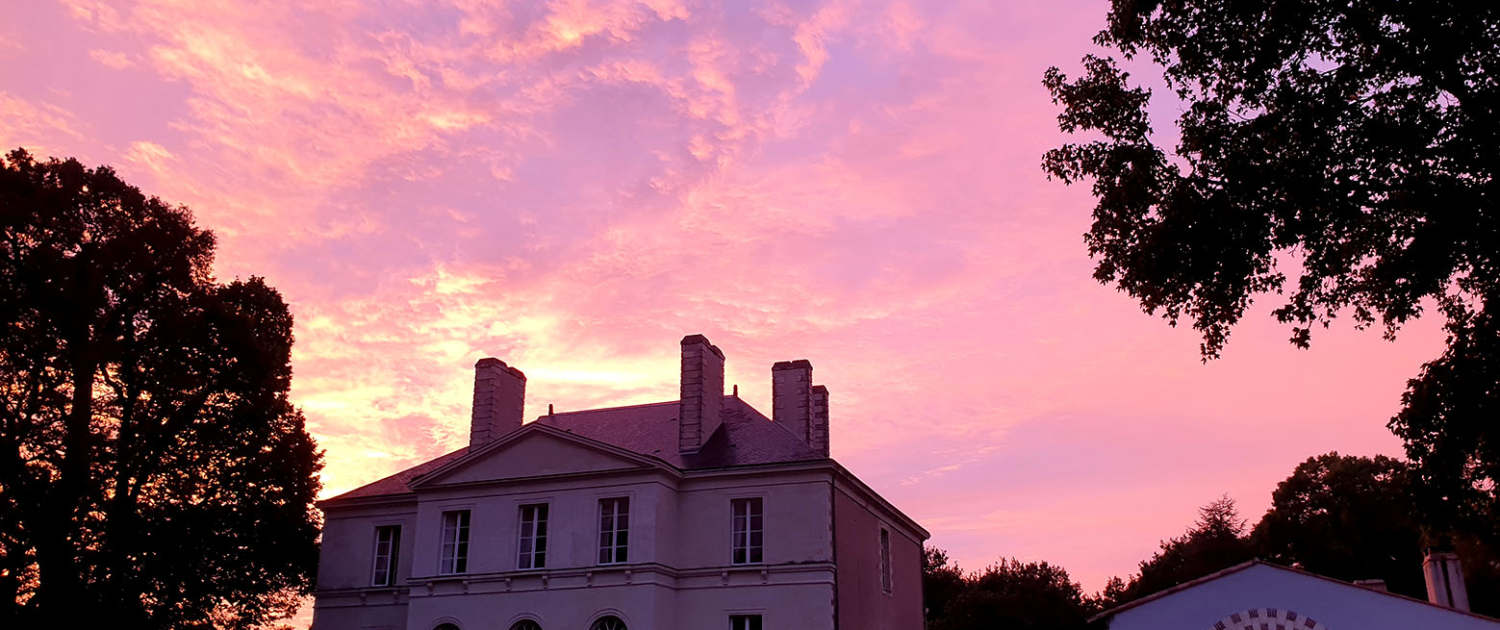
573	185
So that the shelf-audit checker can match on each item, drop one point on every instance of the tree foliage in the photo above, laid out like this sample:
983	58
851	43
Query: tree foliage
1343	517
1350	144
1007	594
1216	541
1355	518
152	471
1349	518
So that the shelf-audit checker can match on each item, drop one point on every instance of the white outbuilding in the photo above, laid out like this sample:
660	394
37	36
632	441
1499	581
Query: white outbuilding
1261	596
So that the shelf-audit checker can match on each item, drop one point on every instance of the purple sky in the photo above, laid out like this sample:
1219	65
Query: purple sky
573	186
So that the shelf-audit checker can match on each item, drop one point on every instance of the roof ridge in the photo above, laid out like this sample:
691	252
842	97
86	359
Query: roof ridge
638	406
600	409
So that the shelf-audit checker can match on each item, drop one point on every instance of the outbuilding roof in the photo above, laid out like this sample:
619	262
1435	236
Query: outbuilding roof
1106	615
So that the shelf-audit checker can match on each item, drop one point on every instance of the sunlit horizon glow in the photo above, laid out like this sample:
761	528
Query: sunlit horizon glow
574	185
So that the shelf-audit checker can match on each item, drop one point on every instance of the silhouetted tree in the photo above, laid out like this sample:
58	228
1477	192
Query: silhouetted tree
942	581
1354	518
1353	140
1348	518
1215	542
1018	595
152	470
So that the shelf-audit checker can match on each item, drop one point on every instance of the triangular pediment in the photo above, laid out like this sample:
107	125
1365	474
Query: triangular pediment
533	451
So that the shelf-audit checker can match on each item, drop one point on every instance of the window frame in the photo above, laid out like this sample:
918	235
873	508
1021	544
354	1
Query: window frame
392	556
751	621
742	528
614	551
458	562
531	548
887	580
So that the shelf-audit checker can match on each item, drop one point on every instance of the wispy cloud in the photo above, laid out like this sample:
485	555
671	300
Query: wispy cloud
573	185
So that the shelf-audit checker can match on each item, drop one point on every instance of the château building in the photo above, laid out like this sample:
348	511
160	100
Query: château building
697	513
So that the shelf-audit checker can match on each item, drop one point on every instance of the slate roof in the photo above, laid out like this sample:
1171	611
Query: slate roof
745	438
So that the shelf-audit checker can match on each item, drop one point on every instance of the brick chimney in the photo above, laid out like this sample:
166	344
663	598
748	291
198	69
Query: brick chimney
700	409
1445	580
499	395
819	430
791	397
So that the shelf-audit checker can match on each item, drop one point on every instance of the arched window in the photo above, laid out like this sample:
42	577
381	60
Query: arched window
446	626
526	624
608	622
1267	617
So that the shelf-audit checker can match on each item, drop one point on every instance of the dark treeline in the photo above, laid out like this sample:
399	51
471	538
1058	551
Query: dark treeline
1344	517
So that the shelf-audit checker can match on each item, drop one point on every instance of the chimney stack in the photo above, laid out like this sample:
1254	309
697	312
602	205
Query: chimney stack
1445	580
791	397
700	409
819	430
499	396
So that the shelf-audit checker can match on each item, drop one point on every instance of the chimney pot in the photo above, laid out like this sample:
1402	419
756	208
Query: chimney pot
499	398
1445	580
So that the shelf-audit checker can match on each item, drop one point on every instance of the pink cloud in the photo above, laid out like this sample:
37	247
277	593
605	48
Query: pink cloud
573	186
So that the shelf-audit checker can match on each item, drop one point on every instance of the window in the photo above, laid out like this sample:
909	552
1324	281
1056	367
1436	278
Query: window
455	554
533	544
747	530
614	530
526	624
608	622
744	622
387	554
885	559
446	626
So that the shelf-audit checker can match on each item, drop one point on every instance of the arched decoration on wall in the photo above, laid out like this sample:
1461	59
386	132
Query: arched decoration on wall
526	624
445	626
608	622
1268	619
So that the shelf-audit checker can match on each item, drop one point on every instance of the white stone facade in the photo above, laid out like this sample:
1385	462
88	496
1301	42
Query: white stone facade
819	565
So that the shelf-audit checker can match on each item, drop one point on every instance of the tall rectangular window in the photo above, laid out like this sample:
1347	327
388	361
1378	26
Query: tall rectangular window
533	542
614	530
744	622
455	553
746	540
387	554
885	559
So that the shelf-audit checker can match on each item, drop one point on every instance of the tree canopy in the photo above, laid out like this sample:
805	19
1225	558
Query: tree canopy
1349	518
1007	594
1215	541
1344	517
1348	145
152	471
